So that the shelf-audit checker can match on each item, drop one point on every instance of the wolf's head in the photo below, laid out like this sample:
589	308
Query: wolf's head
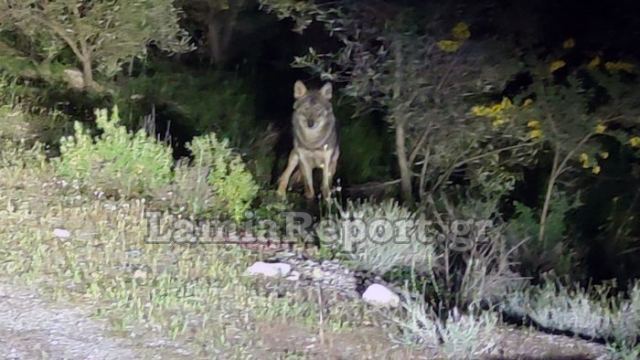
312	108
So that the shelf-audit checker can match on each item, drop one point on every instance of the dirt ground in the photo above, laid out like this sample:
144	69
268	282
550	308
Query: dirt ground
32	328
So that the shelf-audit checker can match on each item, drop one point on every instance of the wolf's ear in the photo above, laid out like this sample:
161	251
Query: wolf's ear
299	90
326	91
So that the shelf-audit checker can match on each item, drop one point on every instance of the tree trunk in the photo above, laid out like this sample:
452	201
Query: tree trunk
87	73
216	51
403	163
400	119
547	199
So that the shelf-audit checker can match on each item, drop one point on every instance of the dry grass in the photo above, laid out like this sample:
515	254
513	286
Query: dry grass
195	294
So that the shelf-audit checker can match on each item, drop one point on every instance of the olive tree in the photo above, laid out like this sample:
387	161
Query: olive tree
101	34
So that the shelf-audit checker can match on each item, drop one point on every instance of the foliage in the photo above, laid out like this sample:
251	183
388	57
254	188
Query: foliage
233	188
565	118
421	76
116	161
536	257
100	34
214	183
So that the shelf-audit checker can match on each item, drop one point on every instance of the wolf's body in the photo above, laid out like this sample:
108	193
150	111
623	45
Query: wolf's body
315	139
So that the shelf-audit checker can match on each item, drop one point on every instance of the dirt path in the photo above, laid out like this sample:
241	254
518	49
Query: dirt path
32	328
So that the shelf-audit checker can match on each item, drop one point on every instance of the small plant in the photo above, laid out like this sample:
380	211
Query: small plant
458	337
233	187
117	160
537	256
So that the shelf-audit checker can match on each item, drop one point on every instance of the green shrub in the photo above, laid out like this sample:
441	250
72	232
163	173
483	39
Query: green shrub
553	253
217	181
117	160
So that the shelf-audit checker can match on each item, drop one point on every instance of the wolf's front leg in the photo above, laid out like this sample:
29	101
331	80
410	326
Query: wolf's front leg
307	174
326	177
294	160
328	171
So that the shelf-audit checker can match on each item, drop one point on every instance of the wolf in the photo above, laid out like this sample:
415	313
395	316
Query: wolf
315	139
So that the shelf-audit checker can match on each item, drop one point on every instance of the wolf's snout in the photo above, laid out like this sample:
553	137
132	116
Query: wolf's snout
311	123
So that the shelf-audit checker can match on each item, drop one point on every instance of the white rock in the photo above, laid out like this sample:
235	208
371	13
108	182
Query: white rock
317	274
269	269
61	233
295	276
140	274
379	295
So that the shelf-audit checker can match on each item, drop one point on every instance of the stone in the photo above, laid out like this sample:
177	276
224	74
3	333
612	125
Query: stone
379	295
295	276
140	274
61	233
317	274
269	269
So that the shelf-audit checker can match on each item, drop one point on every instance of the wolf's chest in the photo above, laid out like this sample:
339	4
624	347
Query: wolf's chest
314	158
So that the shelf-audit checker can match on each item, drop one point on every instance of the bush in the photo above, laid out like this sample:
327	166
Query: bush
217	181
117	160
458	337
552	253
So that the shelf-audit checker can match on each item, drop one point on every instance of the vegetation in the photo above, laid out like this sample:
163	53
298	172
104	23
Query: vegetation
489	172
101	35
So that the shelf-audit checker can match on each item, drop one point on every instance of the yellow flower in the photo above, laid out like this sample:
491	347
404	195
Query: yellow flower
495	111
480	110
596	169
535	134
449	45
527	102
594	63
533	124
569	43
558	64
600	128
584	159
604	155
635	141
498	121
619	66
461	31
